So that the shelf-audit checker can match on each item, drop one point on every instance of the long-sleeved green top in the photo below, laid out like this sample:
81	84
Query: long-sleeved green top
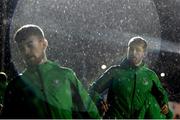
48	91
133	92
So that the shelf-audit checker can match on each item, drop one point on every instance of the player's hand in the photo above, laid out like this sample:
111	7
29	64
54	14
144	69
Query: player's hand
1	107
164	109
104	106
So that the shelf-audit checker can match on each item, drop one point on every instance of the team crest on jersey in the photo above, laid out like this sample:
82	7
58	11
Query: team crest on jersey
56	82
145	82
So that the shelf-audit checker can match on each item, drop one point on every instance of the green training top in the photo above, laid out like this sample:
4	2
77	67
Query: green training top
48	91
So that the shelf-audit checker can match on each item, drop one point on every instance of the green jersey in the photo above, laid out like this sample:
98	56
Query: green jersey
133	92
48	91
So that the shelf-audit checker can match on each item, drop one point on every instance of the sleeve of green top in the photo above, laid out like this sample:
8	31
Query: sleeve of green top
100	85
82	101
160	94
158	90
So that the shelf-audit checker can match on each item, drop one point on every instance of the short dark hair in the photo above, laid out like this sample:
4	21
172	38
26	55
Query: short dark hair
27	30
138	40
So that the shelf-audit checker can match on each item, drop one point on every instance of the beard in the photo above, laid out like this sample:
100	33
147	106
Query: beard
34	60
135	61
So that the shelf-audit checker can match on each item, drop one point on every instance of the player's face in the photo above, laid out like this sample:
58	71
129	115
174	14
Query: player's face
135	54
33	50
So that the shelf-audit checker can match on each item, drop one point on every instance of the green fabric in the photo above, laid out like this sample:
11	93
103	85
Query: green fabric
151	109
133	92
52	91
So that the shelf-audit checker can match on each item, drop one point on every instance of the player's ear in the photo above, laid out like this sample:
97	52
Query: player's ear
45	43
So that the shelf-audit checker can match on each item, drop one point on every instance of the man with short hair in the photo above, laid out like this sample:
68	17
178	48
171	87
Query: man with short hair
44	89
134	91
